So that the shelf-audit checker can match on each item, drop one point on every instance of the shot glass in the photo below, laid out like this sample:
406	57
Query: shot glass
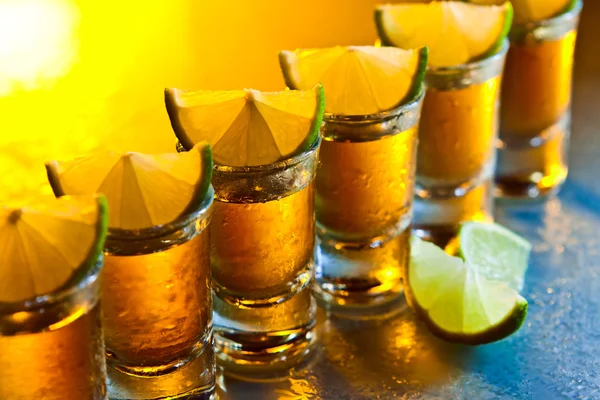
535	123
262	252
457	154
157	309
51	345
365	185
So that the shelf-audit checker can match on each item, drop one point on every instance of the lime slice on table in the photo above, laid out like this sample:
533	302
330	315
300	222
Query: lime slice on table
247	127
142	190
455	32
44	245
456	301
534	10
358	80
497	252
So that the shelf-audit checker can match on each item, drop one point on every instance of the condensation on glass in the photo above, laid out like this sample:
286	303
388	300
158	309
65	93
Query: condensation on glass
157	309
457	155
262	253
51	346
536	107
365	184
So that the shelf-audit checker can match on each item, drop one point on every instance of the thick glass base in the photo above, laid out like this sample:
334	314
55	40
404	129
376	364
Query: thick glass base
263	339
193	378
302	280
534	168
534	189
438	219
362	281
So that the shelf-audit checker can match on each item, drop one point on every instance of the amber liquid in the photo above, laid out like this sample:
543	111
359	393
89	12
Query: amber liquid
457	133
66	363
365	188
257	248
157	307
536	90
536	93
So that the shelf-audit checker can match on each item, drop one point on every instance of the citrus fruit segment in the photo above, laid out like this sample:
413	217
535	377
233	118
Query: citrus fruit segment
143	190
247	127
44	245
498	253
533	10
457	302
455	32
358	80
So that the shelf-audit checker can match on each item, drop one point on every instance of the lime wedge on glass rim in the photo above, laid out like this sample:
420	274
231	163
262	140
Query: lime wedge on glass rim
247	127
358	80
533	10
454	31
457	301
46	244
142	190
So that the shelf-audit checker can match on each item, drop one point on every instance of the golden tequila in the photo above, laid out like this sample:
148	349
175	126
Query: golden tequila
262	249
457	134
157	309
274	241
365	185
365	188
52	348
536	104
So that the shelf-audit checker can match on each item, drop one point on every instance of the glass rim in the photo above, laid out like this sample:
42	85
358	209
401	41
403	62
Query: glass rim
479	64
557	20
199	213
412	104
550	29
272	167
75	284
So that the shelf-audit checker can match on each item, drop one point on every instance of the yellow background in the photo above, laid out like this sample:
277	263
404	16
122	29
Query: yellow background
79	74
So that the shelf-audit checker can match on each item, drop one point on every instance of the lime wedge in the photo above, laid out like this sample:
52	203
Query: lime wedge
456	301
533	10
142	190
498	253
455	32
44	245
247	127
358	80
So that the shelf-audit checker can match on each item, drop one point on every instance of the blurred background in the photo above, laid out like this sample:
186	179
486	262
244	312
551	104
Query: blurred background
78	74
